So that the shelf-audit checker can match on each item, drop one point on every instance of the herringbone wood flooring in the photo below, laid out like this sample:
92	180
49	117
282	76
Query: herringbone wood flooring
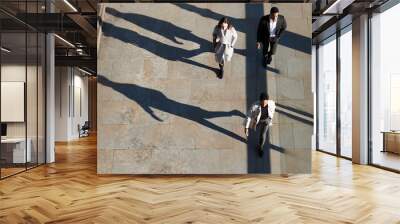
69	191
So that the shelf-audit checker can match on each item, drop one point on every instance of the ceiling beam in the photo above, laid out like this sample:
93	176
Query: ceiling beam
84	24
81	61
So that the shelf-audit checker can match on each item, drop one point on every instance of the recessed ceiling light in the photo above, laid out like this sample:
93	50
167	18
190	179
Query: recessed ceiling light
64	40
335	4
84	71
5	50
70	5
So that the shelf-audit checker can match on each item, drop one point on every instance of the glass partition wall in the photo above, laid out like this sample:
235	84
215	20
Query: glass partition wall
327	95
346	95
334	96
385	90
22	98
334	101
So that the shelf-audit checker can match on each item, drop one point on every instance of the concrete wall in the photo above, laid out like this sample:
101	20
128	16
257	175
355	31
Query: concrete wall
161	108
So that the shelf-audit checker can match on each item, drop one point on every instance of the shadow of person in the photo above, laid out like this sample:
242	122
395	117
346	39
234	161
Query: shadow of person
239	24
161	27
149	98
165	51
167	30
289	39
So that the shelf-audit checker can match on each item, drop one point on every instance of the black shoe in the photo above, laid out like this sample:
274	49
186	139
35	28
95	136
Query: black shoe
269	59
221	71
220	74
260	152
265	62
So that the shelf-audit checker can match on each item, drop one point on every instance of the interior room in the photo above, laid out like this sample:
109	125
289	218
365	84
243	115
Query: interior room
22	102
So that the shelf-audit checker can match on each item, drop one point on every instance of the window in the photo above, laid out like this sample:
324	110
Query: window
22	66
385	89
327	95
346	92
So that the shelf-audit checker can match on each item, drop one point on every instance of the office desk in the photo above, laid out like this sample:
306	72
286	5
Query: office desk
13	150
391	142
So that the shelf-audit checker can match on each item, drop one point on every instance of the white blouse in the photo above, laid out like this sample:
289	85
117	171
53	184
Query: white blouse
227	37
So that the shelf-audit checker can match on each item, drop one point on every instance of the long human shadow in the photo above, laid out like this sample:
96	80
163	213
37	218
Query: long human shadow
150	99
295	116
157	48
168	30
289	39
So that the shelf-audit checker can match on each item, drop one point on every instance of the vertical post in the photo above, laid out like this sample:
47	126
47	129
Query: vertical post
338	81
37	91
317	96
369	62
50	92
26	87
0	93
360	90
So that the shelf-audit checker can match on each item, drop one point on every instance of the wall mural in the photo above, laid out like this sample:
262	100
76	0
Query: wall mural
204	88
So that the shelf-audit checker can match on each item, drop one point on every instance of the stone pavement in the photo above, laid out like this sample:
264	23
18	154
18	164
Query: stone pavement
161	108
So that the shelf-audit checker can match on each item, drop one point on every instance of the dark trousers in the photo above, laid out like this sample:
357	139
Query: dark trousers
264	126
269	47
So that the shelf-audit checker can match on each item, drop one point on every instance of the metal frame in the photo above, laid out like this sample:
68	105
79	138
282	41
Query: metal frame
318	95
380	9
0	94
26	89
369	90
44	74
338	97
338	153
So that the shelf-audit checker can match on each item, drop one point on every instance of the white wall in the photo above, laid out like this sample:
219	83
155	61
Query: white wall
16	73
33	126
62	81
13	72
69	82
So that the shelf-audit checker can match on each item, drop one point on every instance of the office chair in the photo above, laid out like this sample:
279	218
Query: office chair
84	130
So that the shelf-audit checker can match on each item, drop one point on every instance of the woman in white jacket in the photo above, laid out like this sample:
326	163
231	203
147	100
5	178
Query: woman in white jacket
224	39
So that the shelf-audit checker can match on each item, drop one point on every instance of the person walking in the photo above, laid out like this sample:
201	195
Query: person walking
224	39
260	116
270	30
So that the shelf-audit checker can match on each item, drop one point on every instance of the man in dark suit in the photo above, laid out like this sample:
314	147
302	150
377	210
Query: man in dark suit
270	29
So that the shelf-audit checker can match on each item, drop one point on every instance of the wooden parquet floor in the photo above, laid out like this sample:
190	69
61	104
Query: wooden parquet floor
69	191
